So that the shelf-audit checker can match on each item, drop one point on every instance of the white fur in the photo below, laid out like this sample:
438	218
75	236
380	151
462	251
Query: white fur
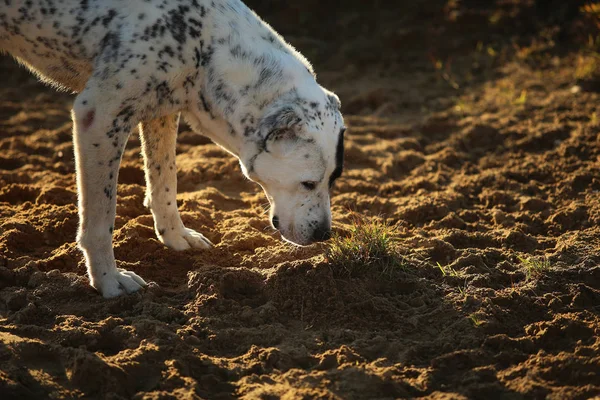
145	62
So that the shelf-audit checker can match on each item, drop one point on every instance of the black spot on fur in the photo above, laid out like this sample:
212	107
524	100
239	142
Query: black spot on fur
176	23
205	105
339	159
110	45
109	17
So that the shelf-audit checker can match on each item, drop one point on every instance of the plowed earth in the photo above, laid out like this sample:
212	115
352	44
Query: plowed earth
479	142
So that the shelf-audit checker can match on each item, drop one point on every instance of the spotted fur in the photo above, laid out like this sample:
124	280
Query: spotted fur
146	62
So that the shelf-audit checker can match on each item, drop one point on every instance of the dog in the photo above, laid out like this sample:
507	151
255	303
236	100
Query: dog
148	62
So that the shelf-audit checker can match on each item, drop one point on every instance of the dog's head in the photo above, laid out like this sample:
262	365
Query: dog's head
299	158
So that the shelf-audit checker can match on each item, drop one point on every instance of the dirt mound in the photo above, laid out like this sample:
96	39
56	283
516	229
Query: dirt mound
473	130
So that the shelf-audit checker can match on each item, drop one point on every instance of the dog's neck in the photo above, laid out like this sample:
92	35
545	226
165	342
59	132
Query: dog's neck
244	77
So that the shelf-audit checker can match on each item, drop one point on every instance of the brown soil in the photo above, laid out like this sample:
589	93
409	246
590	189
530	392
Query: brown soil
474	129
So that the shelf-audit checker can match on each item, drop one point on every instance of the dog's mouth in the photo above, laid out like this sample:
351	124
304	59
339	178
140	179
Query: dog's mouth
297	241
319	235
303	234
289	235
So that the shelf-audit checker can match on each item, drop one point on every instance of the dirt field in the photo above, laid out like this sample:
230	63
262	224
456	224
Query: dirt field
473	131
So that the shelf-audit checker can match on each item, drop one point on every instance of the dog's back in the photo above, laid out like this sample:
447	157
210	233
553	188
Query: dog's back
57	41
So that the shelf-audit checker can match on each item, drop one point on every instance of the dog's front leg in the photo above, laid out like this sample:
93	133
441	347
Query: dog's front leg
158	147
100	130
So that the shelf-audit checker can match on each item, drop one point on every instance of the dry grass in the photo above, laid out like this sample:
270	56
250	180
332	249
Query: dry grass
592	11
447	270
587	66
588	61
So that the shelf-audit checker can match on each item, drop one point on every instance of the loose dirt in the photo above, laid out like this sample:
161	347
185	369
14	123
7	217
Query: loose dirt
472	129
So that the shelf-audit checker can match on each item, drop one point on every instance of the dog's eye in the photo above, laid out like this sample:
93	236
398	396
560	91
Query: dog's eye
309	185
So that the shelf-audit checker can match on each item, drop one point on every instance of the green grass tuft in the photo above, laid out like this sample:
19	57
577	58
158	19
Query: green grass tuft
534	268
369	247
475	320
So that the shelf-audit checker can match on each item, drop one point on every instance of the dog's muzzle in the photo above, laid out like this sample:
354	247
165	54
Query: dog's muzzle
322	233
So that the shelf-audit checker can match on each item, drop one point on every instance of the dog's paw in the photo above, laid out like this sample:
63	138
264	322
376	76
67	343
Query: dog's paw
185	239
118	283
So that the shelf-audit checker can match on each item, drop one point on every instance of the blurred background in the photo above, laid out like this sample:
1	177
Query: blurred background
370	52
466	260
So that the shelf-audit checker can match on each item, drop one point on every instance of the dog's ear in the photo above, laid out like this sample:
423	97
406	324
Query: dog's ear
282	129
333	101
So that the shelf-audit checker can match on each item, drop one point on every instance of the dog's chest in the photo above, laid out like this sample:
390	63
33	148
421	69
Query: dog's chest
69	74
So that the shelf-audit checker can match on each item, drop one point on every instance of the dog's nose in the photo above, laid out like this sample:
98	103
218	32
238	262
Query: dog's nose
275	221
321	234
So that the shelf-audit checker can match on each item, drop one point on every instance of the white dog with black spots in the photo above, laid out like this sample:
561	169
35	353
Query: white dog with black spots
146	62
